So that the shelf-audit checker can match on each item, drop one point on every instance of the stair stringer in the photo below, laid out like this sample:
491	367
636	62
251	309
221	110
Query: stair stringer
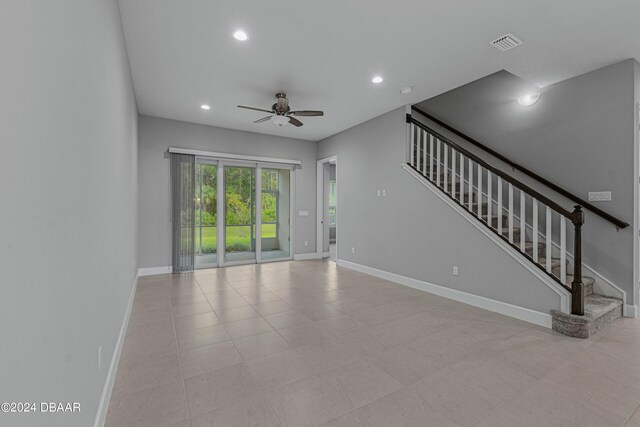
565	300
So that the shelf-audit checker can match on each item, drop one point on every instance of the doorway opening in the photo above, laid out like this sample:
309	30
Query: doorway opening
327	178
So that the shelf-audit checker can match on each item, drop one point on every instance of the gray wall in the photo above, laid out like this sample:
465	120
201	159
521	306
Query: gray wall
579	135
411	231
157	135
68	167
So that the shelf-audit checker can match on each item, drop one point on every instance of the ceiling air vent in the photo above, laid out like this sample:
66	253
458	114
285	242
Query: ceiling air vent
506	42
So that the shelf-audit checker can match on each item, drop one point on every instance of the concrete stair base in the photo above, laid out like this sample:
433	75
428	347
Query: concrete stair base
598	312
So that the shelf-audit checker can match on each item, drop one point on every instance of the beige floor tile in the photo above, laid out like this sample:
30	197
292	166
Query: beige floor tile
286	319
272	307
254	412
261	297
280	368
158	406
209	358
201	337
188	299
404	364
196	321
255	346
148	373
309	402
191	309
225	303
363	382
236	314
403	408
243	328
218	389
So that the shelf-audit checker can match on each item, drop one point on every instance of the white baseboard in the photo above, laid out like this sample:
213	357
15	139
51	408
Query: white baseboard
526	314
302	257
152	271
326	254
629	310
105	398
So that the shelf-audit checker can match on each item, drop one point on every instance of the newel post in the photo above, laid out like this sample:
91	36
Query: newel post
577	287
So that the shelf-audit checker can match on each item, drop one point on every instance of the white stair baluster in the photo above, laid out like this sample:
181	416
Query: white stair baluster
534	224
523	222
489	195
499	210
431	142
548	239
510	217
413	147
454	159
437	162
563	249
446	164
425	136
470	185
461	179
479	191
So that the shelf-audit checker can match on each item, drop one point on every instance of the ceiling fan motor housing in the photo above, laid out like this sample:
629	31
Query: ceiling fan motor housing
282	104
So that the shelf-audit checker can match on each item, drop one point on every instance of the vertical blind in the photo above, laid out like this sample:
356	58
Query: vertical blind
183	210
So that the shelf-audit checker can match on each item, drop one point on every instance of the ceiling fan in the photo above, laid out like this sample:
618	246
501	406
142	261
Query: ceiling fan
281	113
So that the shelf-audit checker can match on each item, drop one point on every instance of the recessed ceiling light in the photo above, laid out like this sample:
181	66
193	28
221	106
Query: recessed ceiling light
377	79
240	35
405	90
205	107
529	99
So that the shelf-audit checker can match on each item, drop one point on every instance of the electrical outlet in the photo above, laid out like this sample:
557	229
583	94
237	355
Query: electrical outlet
353	250
306	243
456	272
99	358
378	193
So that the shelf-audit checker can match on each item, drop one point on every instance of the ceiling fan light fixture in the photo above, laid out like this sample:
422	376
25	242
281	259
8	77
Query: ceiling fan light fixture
529	99
240	35
205	107
279	120
377	79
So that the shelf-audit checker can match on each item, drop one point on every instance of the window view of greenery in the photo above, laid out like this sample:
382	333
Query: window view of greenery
240	199
332	203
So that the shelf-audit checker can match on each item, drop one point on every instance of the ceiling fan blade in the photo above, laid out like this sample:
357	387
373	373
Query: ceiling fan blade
308	113
256	109
295	122
264	119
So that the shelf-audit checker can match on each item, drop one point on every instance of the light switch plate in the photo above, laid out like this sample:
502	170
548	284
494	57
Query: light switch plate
303	213
599	196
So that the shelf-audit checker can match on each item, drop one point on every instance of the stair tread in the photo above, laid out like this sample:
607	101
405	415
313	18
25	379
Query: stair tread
595	306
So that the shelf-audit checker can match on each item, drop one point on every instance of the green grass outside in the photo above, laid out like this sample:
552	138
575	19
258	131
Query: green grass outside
237	237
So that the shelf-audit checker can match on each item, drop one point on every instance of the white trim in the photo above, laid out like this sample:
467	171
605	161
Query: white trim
630	310
105	398
302	257
152	271
320	201
234	156
544	278
526	314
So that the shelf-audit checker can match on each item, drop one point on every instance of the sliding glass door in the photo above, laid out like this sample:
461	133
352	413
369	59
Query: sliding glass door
206	210
240	212
276	213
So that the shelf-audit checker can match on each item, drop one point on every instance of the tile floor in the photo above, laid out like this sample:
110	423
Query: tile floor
309	343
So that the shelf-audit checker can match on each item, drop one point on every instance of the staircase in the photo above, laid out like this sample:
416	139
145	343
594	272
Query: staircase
535	226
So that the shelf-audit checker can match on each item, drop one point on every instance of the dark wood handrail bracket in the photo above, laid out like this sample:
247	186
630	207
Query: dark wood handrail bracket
583	203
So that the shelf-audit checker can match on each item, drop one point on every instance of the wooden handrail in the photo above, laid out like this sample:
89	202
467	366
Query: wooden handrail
615	221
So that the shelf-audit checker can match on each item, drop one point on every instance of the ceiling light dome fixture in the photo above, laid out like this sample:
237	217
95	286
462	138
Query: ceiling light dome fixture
279	120
240	35
529	99
205	107
377	79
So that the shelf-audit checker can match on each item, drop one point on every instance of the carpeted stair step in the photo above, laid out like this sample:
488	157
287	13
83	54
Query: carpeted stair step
598	312
586	280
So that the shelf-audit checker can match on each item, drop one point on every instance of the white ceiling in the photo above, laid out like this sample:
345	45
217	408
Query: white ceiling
323	53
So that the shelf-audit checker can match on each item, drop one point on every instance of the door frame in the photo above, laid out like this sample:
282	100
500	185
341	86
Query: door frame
320	204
